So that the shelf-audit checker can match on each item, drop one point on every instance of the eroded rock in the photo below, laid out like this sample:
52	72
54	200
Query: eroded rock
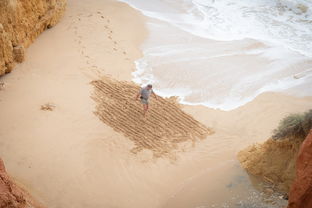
19	54
12	196
21	23
300	195
273	161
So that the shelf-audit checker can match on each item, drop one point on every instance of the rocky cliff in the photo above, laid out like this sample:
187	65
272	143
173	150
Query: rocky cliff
11	196
274	161
20	23
300	195
285	163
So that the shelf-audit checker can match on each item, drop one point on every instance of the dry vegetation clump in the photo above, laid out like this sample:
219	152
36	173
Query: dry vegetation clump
294	126
47	107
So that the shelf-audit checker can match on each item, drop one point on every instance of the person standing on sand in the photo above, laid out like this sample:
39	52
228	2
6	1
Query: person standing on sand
144	95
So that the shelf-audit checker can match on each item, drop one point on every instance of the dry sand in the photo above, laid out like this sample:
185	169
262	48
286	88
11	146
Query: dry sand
69	156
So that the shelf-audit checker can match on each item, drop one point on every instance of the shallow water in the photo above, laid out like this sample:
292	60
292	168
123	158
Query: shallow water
222	54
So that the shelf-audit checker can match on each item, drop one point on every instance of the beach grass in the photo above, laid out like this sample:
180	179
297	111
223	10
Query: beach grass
294	126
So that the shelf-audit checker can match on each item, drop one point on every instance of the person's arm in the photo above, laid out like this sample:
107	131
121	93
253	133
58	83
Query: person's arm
154	94
138	95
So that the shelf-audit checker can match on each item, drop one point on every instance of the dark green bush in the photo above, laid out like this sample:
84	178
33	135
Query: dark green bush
294	126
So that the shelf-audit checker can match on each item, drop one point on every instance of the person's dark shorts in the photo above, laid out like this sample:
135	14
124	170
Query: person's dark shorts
144	101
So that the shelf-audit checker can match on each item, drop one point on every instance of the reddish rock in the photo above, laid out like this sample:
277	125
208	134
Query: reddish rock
280	171
300	195
11	196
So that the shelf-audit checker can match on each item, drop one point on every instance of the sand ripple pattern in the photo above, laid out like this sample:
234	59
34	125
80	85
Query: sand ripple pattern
165	126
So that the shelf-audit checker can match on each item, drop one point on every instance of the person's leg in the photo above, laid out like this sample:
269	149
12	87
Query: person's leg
145	108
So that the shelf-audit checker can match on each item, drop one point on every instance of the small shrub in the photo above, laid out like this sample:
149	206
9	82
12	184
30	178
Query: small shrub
294	126
307	122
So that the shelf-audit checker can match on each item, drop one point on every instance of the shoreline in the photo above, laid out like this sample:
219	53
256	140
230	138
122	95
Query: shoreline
81	161
258	66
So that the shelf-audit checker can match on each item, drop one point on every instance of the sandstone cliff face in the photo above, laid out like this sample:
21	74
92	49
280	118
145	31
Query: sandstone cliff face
274	161
11	196
20	23
300	195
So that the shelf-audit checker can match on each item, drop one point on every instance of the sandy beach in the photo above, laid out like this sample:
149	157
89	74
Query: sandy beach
73	155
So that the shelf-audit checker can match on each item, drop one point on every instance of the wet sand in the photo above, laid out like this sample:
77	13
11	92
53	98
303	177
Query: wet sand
71	157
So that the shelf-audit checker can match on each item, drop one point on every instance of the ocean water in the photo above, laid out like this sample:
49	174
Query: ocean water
224	53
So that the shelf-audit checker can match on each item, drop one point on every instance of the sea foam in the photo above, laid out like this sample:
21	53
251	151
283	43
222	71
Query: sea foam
224	53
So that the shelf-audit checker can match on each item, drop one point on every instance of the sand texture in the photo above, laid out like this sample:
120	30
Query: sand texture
72	133
165	126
